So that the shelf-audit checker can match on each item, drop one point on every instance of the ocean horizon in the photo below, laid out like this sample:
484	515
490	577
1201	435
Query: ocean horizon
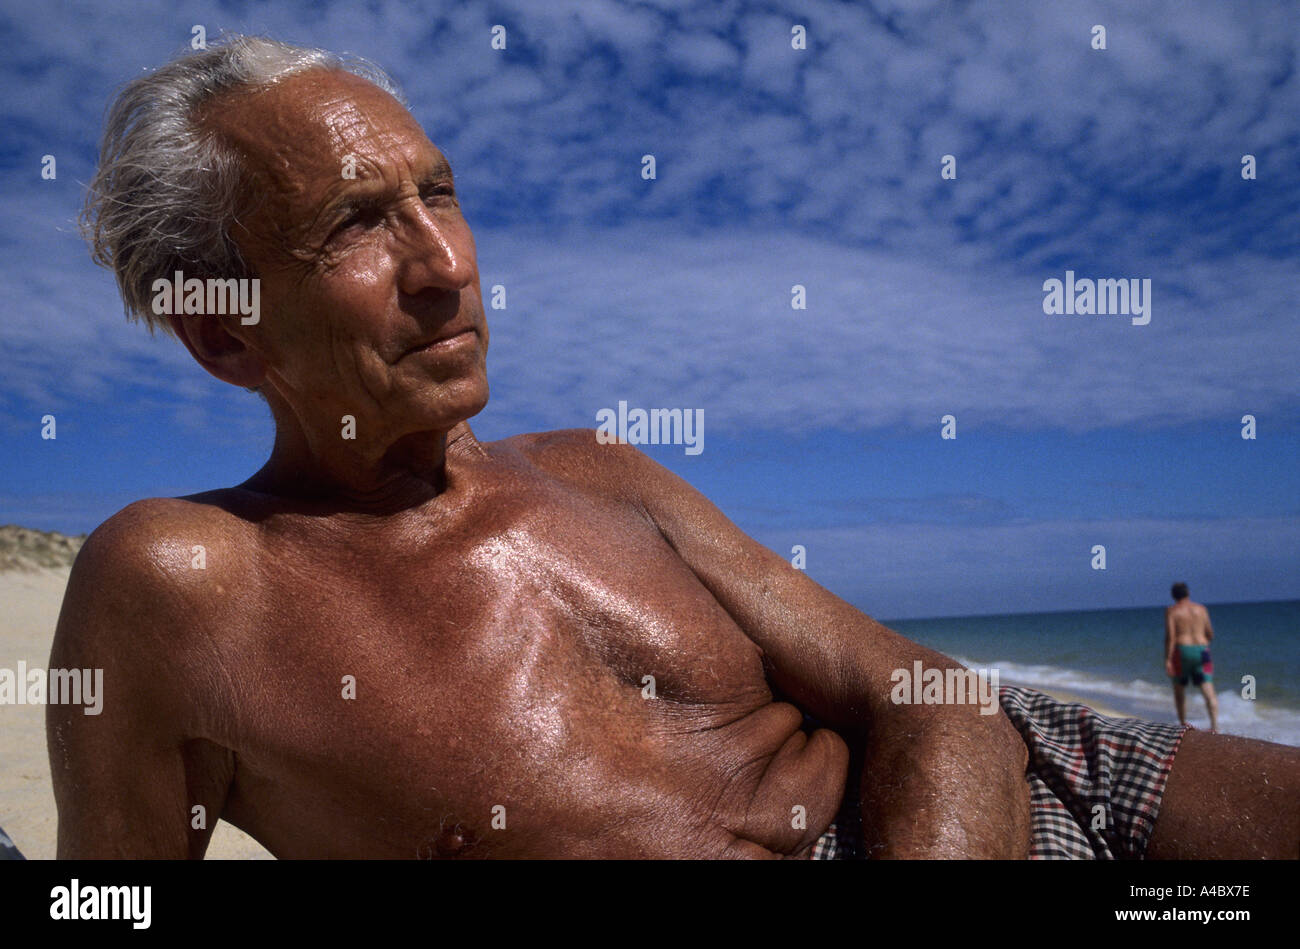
1115	657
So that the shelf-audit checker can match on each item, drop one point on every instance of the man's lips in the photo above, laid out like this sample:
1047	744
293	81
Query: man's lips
446	340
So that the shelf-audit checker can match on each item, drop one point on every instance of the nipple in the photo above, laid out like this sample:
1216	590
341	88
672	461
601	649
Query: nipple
449	844
452	841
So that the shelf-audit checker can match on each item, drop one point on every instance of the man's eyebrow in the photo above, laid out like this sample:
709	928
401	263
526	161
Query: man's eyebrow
359	195
440	169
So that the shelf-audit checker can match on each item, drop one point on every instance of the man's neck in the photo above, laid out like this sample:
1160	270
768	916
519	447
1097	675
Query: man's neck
409	472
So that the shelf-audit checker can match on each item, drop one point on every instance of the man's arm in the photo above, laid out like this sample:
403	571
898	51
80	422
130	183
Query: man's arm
939	780
126	779
1169	641
1209	630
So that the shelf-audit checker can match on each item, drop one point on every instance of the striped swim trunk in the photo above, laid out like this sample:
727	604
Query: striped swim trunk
1095	782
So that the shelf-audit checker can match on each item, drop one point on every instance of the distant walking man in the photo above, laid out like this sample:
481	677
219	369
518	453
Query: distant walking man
1187	652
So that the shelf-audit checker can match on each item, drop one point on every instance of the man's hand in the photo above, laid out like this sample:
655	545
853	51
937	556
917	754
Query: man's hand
940	780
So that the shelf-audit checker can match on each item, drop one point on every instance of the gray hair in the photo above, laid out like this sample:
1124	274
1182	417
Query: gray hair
167	191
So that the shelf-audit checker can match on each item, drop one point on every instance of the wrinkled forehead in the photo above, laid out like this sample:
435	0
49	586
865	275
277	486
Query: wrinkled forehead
297	135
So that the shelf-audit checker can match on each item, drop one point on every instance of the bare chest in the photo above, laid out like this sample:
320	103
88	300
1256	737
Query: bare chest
552	672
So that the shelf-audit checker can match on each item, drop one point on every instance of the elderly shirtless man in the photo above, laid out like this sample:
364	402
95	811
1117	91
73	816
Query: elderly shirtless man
411	643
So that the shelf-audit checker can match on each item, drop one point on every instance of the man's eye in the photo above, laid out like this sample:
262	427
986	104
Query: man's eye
362	217
440	193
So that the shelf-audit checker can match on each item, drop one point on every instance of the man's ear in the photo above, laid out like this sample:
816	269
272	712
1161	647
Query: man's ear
217	350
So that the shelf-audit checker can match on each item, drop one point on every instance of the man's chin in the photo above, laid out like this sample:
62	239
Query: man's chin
446	406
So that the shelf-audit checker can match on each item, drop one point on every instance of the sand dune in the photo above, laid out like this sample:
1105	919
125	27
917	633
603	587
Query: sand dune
27	551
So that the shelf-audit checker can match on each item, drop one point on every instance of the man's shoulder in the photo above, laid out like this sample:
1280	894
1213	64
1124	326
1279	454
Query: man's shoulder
166	534
155	560
565	442
577	455
147	601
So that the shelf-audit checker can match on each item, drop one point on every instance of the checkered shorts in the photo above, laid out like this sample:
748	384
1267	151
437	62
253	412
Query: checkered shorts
1095	782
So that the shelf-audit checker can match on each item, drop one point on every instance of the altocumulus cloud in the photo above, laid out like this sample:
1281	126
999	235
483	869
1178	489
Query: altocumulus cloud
776	167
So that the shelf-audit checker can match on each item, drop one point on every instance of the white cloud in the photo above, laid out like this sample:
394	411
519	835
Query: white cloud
923	294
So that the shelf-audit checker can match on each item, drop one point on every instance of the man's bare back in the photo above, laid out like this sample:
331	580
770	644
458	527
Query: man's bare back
499	641
1191	623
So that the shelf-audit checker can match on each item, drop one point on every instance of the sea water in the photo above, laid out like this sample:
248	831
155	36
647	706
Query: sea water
1116	658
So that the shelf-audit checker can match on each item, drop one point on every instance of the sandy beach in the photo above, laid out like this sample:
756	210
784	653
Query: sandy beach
32	581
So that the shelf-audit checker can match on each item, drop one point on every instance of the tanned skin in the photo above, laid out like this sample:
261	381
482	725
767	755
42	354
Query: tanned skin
1187	623
498	605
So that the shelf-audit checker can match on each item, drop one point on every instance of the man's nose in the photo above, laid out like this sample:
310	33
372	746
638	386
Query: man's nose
435	253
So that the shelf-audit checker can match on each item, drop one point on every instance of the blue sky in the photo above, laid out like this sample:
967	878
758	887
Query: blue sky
776	167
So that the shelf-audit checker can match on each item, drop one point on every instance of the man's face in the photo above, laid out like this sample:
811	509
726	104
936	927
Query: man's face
370	294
